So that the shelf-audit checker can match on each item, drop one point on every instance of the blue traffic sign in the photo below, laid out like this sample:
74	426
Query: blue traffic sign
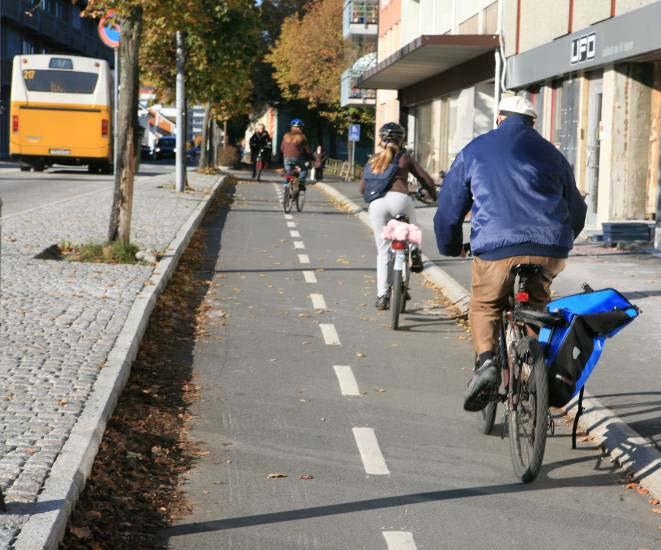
354	132
109	31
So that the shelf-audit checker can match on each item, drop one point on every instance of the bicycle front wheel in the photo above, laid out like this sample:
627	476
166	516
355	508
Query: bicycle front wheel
300	200
396	299
260	167
528	417
286	199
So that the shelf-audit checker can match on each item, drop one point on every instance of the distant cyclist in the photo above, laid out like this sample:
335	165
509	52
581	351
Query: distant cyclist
259	141
295	150
395	200
525	208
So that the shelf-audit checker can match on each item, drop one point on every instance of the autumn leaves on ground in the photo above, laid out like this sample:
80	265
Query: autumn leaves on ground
133	492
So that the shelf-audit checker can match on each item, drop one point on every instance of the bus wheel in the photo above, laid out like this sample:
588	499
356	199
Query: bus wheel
24	167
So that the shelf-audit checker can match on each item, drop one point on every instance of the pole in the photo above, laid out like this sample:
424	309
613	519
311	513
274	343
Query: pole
181	147
115	119
499	60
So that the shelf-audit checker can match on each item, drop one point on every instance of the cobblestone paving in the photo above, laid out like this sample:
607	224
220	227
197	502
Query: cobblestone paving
60	320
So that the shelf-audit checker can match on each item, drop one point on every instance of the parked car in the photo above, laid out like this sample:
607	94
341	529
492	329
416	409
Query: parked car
165	147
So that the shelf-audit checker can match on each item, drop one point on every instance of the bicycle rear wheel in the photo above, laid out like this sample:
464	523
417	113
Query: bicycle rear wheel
286	200
396	299
300	200
260	167
527	423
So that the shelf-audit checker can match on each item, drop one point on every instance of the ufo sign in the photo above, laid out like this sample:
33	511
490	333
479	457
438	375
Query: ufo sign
109	29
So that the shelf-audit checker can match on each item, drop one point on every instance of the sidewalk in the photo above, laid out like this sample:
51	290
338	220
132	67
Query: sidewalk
626	382
61	321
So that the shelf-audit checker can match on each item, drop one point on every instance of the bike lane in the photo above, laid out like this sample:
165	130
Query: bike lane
300	376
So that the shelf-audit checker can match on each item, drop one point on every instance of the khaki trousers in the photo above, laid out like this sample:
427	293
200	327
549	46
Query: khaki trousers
493	283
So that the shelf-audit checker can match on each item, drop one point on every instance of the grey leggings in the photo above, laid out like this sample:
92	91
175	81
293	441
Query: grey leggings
381	211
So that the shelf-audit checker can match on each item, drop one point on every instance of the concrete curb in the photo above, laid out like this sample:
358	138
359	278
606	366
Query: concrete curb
50	513
629	449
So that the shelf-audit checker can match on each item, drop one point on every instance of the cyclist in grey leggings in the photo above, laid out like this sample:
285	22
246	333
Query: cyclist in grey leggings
395	201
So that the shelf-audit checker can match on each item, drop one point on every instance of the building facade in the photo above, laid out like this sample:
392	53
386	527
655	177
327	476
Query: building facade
590	66
46	26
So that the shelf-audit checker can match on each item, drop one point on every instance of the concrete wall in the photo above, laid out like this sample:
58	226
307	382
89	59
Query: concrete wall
587	12
539	24
625	144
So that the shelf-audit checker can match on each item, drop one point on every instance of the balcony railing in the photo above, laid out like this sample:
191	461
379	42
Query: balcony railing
360	17
350	94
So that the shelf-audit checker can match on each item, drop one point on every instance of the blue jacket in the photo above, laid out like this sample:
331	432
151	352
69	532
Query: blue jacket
521	192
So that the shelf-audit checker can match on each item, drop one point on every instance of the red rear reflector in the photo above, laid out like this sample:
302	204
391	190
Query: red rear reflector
14	123
522	296
398	245
104	127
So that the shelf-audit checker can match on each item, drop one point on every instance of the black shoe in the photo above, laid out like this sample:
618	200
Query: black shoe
382	302
416	261
481	386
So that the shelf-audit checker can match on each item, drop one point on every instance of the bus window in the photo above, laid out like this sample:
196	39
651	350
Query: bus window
61	82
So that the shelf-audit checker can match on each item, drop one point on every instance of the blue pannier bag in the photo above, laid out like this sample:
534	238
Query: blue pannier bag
573	349
377	185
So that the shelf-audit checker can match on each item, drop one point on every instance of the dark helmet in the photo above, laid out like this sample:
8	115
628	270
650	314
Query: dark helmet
296	123
391	132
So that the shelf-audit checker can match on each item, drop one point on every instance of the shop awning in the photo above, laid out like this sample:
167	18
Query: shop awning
426	56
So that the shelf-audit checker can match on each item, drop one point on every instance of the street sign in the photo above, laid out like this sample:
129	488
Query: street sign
109	29
354	132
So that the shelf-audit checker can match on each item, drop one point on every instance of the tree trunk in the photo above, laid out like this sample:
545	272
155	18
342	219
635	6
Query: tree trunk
127	120
204	145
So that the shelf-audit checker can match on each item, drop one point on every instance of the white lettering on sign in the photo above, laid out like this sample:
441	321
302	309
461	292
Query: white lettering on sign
583	48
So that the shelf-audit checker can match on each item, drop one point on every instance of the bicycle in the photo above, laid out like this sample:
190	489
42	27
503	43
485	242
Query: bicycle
260	162
402	253
294	192
527	349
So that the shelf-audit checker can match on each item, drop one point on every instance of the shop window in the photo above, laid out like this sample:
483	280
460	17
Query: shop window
565	103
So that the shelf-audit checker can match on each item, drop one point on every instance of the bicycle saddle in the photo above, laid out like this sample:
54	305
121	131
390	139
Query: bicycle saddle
527	270
402	218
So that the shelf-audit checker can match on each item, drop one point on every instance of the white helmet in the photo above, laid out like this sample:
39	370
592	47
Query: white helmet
517	104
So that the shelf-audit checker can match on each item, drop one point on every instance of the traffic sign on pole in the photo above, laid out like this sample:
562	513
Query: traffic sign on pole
354	132
109	30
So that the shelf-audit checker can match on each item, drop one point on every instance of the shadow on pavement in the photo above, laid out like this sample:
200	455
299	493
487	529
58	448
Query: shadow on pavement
543	483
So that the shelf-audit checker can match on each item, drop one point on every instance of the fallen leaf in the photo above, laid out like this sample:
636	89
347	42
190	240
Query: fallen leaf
656	510
306	476
81	532
276	475
360	354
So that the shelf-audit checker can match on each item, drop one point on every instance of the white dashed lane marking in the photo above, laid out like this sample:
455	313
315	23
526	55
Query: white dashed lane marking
330	334
348	384
304	258
291	224
294	234
399	540
299	244
370	453
289	217
310	277
318	301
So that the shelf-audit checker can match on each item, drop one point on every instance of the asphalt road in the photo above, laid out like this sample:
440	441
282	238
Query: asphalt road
299	377
22	192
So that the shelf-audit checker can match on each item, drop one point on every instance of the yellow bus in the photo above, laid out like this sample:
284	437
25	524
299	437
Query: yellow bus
61	112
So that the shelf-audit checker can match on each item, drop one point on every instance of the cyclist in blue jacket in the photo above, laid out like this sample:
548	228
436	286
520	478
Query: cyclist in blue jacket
525	208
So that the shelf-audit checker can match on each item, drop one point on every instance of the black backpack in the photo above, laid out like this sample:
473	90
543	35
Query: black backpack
377	185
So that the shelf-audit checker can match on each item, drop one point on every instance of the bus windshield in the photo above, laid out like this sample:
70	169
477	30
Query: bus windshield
59	82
